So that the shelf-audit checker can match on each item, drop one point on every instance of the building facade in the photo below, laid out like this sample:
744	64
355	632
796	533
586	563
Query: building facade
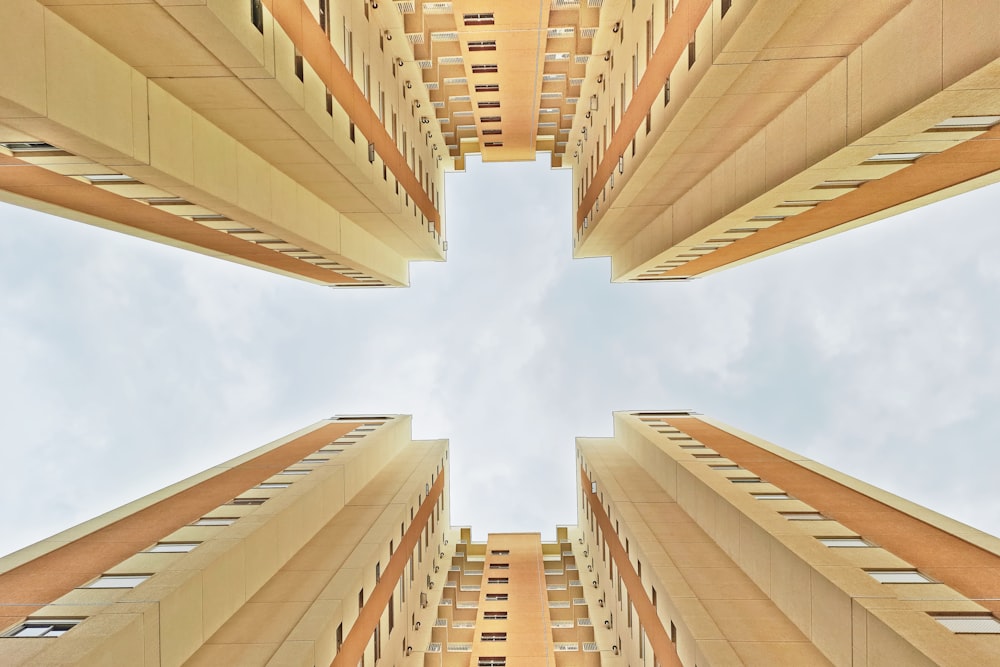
311	138
712	547
316	547
695	545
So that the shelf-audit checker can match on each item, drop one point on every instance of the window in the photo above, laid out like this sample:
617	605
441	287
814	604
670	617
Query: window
826	185
895	157
771	496
214	521
484	69
803	516
314	460
493	131
969	624
172	547
273	485
492	661
247	501
37	148
489	105
966	123
494	636
745	480
844	542
480	18
483	45
726	6
487	87
497	580
493	144
324	15
899	577
725	466
490	119
500	552
109	178
499	566
299	69
43	627
118	581
691	53
495	615
496	597
295	472
257	15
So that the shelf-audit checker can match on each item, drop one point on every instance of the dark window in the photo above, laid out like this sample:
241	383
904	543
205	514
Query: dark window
487	87
495	615
483	45
499	566
494	131
489	105
494	636
484	69
496	597
726	5
257	15
691	53
480	18
490	119
248	501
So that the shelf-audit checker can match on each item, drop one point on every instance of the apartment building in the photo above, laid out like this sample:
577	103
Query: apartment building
714	547
311	137
696	544
320	545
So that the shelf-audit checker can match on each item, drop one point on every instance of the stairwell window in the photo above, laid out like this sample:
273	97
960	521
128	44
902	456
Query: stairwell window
45	627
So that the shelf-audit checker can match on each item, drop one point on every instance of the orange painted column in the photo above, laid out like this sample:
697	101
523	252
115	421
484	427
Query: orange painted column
353	648
663	649
294	18
43	185
926	176
30	586
965	567
673	43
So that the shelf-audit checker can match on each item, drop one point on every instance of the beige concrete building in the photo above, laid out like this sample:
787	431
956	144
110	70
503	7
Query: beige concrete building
708	546
311	137
716	132
695	545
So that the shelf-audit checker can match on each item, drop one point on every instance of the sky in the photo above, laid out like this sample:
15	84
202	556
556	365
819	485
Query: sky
127	365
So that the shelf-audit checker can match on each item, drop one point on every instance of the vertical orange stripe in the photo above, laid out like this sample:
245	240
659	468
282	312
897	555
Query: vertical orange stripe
970	570
361	632
673	43
665	655
926	176
294	18
30	586
43	185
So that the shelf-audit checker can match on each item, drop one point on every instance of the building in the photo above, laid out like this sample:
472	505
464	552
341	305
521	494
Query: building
311	137
730	550
716	132
695	545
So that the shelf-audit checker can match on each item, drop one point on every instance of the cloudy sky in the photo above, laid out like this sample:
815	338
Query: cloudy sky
126	365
